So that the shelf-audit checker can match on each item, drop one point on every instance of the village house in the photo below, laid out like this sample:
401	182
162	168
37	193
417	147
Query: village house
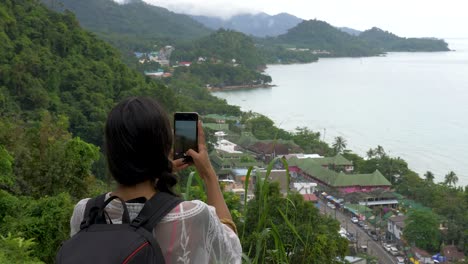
395	226
267	150
278	176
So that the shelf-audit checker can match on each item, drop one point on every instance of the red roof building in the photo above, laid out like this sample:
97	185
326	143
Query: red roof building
310	197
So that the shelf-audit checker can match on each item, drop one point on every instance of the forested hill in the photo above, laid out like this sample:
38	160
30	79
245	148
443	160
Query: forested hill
134	20
391	42
222	46
321	36
48	63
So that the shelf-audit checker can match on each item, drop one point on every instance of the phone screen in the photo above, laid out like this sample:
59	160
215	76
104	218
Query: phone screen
186	136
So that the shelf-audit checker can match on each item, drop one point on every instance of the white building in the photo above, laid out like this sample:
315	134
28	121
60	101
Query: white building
395	226
303	156
305	187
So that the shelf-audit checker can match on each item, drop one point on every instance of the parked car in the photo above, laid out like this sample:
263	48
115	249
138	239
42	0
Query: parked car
354	220
387	247
366	227
400	260
394	251
361	223
332	206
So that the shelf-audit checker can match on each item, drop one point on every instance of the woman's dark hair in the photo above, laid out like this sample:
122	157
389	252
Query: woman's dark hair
138	141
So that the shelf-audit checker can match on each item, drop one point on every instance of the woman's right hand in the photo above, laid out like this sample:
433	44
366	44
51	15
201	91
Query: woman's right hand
200	159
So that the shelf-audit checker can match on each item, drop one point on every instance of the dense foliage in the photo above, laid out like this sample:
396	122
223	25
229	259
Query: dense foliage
135	19
223	46
422	230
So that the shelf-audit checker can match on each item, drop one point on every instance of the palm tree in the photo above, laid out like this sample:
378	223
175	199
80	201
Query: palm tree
380	151
339	145
451	178
370	153
429	176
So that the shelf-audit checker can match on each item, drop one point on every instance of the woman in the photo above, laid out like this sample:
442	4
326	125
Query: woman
138	142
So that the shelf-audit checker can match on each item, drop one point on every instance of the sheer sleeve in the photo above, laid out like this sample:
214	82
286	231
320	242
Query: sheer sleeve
225	242
194	234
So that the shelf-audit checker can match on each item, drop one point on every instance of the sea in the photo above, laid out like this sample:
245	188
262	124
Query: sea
414	105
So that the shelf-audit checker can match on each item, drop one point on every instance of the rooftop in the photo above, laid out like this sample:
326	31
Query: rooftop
331	178
337	160
310	197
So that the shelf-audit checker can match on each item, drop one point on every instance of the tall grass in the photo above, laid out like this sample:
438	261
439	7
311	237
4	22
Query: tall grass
266	243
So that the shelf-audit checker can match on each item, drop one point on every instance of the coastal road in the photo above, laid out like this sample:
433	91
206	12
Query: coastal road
374	248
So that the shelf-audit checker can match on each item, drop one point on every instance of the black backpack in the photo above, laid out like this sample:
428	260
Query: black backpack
126	243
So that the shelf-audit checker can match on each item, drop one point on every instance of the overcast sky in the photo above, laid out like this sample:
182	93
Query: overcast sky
408	18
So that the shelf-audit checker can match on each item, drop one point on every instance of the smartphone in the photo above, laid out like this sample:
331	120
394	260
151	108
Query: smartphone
185	134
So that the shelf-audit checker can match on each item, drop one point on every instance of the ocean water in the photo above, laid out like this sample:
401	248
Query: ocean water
415	105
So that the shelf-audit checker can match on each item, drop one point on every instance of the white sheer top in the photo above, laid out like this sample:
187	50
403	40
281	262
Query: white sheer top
190	233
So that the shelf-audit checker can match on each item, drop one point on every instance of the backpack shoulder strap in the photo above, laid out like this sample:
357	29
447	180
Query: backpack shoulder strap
98	202
155	209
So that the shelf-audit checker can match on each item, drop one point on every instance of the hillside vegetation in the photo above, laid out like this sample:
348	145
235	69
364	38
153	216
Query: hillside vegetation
57	84
135	23
321	36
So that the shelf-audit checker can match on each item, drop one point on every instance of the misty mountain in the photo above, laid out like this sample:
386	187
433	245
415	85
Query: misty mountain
351	31
260	25
134	19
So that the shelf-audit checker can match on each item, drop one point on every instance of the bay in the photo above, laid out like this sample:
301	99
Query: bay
415	105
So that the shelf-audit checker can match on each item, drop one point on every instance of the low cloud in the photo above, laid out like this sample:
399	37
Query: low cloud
217	8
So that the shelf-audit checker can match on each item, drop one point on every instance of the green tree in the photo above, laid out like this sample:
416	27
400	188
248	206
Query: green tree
45	220
261	127
422	230
429	176
310	141
451	178
339	145
370	153
50	161
6	162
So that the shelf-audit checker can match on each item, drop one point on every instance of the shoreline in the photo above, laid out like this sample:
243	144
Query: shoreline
240	87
